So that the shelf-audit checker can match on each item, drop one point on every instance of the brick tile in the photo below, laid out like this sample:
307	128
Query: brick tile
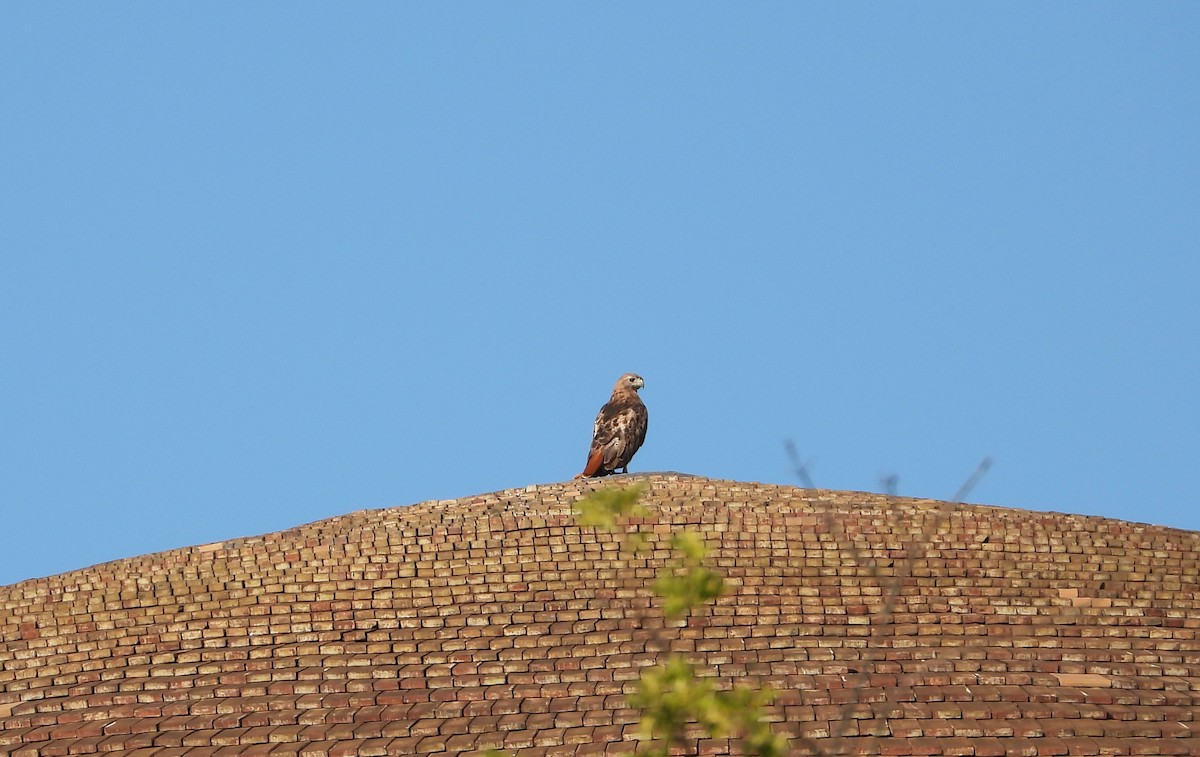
495	621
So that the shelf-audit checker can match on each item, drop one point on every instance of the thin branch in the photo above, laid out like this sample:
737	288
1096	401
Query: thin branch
798	466
891	588
972	480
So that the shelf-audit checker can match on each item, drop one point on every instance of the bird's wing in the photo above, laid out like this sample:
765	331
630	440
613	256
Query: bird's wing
617	434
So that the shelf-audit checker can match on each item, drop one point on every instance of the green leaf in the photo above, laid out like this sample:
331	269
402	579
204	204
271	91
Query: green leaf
602	508
691	545
670	695
687	589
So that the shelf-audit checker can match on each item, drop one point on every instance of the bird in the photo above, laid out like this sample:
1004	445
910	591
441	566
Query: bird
619	430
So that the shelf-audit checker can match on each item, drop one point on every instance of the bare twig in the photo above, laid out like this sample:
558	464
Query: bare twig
798	465
973	479
891	588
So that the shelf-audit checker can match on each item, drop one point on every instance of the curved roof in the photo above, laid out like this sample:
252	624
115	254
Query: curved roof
885	625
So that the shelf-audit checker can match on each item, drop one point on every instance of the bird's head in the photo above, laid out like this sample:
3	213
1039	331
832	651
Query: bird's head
630	382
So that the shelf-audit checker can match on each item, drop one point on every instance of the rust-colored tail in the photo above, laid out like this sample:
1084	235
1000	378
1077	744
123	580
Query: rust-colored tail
593	464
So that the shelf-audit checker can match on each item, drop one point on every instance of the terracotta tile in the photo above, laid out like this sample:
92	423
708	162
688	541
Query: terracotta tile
451	626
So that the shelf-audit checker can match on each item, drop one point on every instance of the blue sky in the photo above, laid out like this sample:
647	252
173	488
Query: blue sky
265	264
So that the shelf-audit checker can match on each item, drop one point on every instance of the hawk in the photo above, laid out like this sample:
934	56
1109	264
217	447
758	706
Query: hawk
620	429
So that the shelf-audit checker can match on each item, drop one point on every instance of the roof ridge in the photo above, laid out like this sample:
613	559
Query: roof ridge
578	488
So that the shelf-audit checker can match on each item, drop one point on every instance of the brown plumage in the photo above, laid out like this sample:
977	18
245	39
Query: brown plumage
619	430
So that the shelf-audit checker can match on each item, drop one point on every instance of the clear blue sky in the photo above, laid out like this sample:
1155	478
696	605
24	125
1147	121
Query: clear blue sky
264	264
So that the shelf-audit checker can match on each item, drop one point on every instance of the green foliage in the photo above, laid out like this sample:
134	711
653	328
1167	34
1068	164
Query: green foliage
670	695
605	507
608	508
688	584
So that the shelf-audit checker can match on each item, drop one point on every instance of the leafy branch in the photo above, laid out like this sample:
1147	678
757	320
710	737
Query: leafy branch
672	698
688	584
670	695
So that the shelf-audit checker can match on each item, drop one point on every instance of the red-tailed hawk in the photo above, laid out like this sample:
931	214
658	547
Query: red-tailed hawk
620	429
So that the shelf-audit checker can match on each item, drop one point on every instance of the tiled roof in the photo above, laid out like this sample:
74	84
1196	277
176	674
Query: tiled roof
496	621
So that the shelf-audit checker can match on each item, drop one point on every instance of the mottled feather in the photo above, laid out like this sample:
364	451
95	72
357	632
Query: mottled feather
619	430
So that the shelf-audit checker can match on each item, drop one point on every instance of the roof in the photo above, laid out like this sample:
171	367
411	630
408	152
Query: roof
498	621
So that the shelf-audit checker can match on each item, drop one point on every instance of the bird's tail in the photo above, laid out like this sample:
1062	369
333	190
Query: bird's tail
593	464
